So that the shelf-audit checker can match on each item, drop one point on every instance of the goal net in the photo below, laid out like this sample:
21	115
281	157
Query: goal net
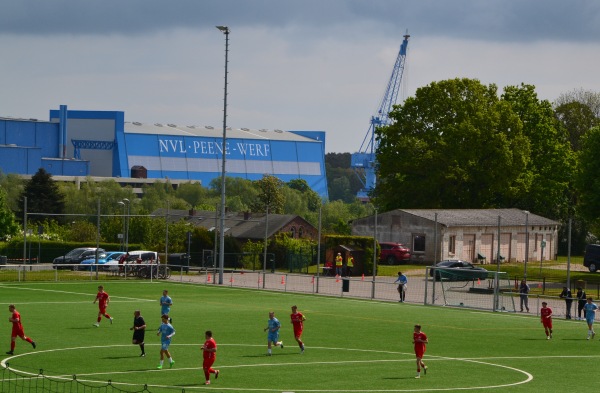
486	290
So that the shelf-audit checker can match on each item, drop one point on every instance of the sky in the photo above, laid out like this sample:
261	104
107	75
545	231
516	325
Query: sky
293	65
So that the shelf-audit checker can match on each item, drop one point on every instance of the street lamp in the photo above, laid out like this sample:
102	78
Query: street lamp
224	30
124	203
122	234
266	243
526	243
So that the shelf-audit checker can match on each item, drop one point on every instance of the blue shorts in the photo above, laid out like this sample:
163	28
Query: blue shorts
164	345
273	336
589	320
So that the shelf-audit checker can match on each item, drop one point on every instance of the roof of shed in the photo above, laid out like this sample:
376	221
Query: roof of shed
479	217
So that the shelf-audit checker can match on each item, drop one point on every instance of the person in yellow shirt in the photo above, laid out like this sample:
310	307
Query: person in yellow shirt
339	262
349	265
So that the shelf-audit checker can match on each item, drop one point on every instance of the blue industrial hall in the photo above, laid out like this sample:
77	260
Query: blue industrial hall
78	143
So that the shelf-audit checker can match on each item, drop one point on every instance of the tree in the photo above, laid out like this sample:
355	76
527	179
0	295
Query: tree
43	196
269	194
313	200
588	184
13	186
454	145
577	119
342	181
8	225
192	193
551	162
589	98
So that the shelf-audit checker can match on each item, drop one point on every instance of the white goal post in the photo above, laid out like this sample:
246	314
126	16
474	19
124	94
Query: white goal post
482	290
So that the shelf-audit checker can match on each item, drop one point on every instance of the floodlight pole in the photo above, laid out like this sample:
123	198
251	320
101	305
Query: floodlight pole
319	245
266	244
224	30
374	256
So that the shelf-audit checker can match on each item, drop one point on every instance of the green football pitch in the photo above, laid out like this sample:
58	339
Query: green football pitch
351	345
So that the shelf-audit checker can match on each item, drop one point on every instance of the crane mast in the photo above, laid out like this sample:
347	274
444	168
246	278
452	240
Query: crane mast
364	161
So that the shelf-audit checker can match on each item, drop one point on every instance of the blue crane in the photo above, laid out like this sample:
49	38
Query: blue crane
365	161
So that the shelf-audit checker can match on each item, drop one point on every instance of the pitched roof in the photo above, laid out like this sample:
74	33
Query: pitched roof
237	224
478	217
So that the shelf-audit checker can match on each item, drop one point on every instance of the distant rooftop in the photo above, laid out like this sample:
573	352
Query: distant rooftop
213	131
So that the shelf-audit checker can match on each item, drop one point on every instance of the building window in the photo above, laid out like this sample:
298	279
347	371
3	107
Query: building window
418	243
452	245
293	232
300	232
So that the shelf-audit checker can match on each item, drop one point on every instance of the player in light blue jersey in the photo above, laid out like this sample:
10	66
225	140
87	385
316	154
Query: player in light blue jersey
273	337
590	314
165	331
165	304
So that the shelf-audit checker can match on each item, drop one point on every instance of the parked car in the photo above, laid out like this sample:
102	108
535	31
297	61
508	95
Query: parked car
393	253
178	261
458	271
74	257
591	258
87	264
139	256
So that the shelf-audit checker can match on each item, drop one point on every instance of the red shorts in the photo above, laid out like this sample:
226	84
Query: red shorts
17	333
102	310
207	363
297	332
547	322
420	351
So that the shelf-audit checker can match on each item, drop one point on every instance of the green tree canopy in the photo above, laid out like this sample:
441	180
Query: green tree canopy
551	161
588	181
43	196
454	145
269	194
8	224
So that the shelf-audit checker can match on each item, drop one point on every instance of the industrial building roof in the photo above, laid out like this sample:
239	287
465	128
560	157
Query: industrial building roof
214	132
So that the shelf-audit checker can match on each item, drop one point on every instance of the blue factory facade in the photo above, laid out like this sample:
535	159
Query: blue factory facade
102	144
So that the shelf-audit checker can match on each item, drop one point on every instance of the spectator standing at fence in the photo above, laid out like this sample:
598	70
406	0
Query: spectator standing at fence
139	331
17	330
524	295
590	314
566	294
580	295
165	305
103	299
419	340
339	262
546	315
209	353
123	260
349	265
273	326
166	331
298	319
402	281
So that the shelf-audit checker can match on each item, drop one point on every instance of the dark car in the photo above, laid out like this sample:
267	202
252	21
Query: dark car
591	258
393	253
179	261
75	257
458	271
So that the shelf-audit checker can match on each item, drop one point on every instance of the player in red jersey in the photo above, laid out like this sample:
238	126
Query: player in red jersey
546	314
420	339
17	330
103	299
298	322
209	352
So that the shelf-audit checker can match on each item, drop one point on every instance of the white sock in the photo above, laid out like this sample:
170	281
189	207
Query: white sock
269	350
